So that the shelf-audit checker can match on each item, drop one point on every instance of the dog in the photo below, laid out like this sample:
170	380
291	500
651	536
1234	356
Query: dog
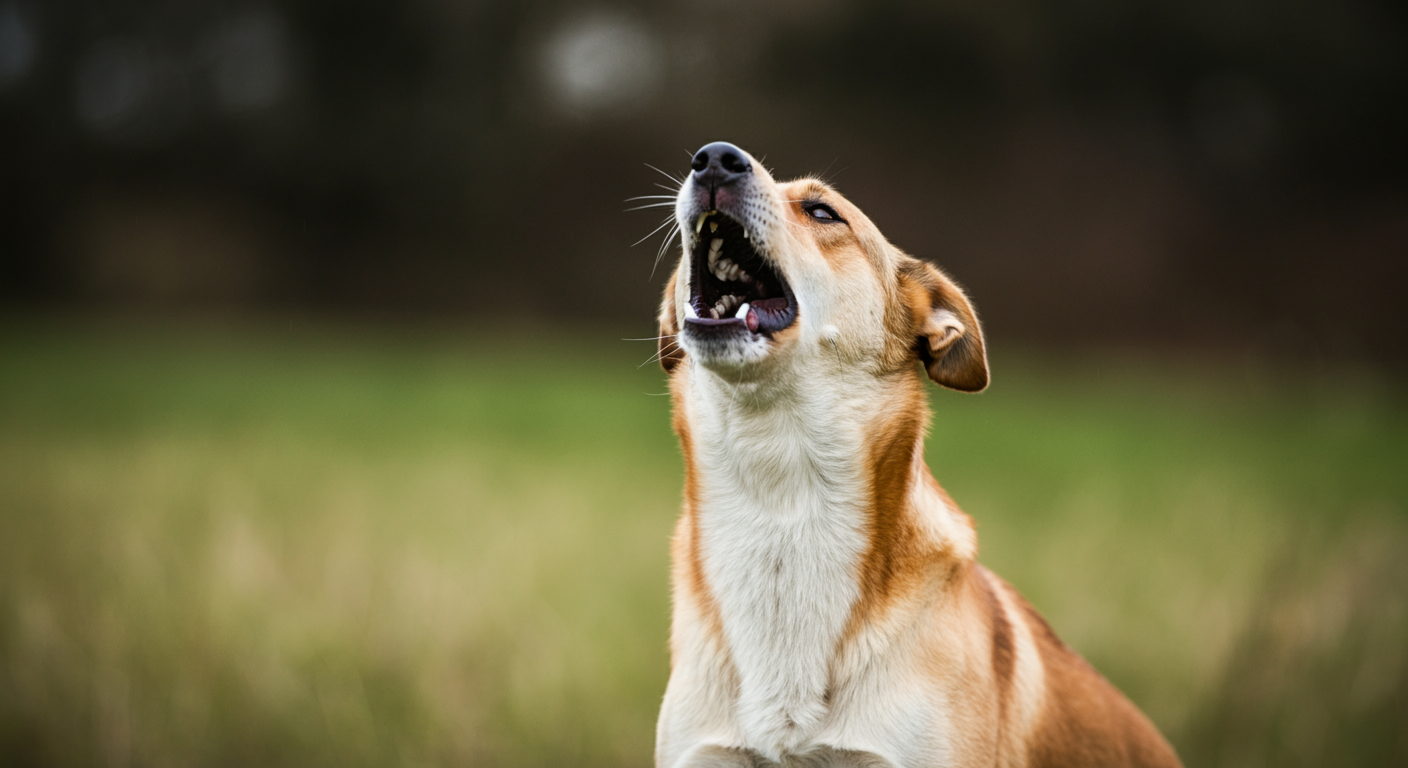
828	609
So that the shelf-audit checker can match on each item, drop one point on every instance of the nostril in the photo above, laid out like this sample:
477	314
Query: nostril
733	163
720	163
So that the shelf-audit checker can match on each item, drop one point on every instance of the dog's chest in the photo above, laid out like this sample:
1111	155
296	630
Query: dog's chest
782	533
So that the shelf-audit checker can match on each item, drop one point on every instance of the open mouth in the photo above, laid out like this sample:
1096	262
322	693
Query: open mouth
733	285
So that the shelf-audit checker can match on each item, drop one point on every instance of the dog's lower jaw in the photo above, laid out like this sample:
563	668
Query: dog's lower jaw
733	358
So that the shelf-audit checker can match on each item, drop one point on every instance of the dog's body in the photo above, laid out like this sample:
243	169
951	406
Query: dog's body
828	608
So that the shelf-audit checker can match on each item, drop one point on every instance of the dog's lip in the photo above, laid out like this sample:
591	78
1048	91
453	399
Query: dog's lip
711	322
733	284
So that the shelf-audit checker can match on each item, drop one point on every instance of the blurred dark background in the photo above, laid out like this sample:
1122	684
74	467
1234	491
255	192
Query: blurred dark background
1226	175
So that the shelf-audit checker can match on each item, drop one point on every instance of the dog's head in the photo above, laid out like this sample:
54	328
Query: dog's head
779	276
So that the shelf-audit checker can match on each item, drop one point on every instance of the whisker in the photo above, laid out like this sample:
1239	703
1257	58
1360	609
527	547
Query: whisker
651	205
664	246
666	175
827	170
675	190
654	338
663	224
649	197
656	357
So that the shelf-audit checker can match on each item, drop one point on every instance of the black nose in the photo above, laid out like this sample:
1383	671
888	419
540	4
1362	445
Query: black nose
719	163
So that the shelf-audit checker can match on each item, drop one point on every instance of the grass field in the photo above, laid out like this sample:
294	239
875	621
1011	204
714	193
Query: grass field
300	547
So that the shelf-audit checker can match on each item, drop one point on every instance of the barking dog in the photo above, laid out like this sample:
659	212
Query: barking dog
828	609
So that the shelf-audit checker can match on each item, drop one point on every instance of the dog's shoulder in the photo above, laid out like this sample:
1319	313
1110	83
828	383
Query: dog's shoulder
1083	719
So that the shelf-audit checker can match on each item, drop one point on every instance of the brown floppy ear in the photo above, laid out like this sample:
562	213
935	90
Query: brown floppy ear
670	353
950	341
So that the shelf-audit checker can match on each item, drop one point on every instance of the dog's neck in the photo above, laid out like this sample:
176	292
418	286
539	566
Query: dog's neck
800	446
791	449
801	494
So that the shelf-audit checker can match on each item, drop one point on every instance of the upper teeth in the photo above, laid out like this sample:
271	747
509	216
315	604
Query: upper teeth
727	270
723	268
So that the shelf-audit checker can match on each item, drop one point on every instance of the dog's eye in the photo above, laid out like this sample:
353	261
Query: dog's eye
821	212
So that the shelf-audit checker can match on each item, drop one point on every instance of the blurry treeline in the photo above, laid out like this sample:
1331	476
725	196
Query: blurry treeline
1170	171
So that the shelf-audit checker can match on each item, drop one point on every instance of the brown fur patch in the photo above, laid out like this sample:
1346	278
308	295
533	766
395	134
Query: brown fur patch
1004	651
687	560
1086	721
963	365
900	558
893	553
670	352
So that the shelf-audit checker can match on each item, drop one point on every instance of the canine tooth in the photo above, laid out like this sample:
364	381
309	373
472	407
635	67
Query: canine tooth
742	312
689	310
745	234
699	223
713	226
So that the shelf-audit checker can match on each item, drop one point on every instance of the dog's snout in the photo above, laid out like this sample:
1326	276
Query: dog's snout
719	164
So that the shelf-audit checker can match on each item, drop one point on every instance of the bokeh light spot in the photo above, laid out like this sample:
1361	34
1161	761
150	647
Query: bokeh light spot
251	57
17	46
114	83
602	62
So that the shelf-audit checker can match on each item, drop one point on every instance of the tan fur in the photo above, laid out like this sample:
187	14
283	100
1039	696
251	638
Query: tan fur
1017	695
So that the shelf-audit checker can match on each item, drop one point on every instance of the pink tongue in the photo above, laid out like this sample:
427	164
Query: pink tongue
752	319
773	311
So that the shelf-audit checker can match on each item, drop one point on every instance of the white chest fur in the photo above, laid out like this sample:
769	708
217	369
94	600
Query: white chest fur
782	504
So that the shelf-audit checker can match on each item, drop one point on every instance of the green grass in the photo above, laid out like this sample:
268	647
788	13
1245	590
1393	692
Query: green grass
252	546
